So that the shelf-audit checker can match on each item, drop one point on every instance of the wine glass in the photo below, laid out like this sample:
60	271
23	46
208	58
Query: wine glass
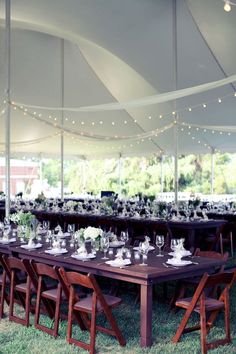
124	236
105	246
160	243
174	243
45	225
143	250
71	228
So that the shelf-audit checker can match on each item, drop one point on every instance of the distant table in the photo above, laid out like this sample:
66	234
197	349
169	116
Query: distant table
146	277
191	227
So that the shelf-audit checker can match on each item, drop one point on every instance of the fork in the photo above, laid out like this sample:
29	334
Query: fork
169	266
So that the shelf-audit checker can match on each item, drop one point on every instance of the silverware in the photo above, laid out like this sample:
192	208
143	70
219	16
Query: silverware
169	266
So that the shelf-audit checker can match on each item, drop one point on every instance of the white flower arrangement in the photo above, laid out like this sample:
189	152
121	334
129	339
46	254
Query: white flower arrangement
92	233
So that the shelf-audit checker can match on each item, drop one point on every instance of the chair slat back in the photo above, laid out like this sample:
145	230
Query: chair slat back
207	281
219	279
209	254
214	255
3	262
45	270
75	278
16	263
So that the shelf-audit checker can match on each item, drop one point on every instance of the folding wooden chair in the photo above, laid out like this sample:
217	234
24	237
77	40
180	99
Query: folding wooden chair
207	308
192	283
92	305
4	278
22	288
45	292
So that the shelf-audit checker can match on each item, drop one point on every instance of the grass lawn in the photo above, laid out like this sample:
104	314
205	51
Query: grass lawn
15	338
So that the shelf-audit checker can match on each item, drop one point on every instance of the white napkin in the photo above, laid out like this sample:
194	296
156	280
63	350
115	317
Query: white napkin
82	251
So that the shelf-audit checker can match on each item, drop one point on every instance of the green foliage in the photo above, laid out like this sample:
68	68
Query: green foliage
144	174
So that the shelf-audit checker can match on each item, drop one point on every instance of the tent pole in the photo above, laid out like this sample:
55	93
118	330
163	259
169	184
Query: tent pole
41	172
212	170
162	175
8	107
62	119
119	173
176	138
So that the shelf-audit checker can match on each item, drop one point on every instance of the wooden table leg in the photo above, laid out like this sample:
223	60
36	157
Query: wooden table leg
146	315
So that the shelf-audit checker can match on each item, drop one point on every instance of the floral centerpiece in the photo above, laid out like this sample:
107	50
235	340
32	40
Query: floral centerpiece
26	223
71	204
92	234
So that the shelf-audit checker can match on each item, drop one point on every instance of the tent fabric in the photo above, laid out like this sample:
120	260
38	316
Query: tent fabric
119	51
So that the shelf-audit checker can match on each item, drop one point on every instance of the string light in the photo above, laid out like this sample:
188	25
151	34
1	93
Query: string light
227	6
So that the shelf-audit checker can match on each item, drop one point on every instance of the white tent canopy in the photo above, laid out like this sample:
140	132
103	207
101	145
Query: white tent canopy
118	51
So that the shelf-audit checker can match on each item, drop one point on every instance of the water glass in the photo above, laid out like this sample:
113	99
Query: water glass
143	249
105	246
174	243
160	243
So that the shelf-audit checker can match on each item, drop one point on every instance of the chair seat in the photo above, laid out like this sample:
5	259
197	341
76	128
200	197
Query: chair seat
86	303
211	304
22	287
52	294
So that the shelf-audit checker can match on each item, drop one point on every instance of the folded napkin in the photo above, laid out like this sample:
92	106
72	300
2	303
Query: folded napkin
82	251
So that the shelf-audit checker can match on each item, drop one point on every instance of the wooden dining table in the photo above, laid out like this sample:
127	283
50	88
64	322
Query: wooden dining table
145	276
194	227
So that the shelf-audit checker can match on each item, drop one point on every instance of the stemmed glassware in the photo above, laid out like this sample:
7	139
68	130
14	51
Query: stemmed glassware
174	243
71	228
46	225
105	246
143	250
160	243
124	236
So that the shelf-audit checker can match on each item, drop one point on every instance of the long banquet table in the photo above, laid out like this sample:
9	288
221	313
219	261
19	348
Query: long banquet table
136	226
145	276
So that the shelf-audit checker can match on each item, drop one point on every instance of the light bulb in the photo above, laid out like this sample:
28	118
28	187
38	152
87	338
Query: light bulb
227	6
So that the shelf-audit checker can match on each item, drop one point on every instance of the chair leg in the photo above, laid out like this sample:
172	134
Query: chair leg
227	319
2	294
203	331
115	327
182	326
57	316
70	320
93	331
11	306
27	303
37	309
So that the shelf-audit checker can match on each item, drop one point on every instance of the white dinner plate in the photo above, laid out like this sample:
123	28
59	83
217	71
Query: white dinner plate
32	247
117	263
150	248
7	241
116	243
177	263
82	257
55	251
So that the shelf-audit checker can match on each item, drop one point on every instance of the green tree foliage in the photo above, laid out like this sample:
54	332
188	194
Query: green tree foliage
144	174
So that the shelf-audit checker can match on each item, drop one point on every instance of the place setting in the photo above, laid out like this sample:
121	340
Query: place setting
119	261
81	254
57	248
177	254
